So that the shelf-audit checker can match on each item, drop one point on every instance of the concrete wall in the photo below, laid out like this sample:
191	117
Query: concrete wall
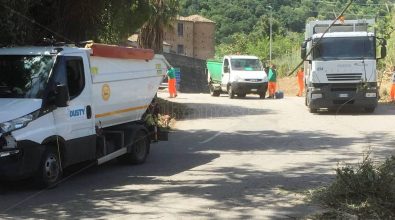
193	73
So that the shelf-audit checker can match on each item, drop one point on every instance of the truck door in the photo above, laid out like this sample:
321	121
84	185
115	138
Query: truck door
225	74
75	122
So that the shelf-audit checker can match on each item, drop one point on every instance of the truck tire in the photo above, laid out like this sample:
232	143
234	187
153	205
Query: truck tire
231	93
262	95
49	172
241	95
139	149
213	92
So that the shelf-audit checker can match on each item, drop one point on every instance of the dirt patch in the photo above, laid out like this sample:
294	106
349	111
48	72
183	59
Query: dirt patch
288	85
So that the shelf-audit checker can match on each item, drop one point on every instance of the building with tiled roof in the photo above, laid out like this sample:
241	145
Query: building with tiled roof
192	36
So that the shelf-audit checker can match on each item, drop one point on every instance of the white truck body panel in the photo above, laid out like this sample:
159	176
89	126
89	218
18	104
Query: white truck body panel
132	85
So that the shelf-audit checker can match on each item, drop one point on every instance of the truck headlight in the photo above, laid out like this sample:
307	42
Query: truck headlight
18	123
237	78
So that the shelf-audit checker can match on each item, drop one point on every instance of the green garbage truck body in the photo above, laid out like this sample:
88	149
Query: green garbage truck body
215	70
237	75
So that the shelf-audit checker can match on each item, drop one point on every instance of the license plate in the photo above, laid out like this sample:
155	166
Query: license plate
254	90
344	95
254	80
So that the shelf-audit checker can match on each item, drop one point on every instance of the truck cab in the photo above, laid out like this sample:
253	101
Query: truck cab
341	68
64	105
237	75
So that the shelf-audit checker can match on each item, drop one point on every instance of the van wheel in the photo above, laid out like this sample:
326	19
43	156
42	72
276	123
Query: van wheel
139	150
230	92
49	172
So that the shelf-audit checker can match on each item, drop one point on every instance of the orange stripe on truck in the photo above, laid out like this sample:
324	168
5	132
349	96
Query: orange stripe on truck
117	112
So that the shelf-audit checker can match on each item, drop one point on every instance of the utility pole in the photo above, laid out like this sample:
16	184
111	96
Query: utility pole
270	41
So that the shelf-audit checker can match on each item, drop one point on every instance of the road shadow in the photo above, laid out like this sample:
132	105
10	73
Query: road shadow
104	190
206	111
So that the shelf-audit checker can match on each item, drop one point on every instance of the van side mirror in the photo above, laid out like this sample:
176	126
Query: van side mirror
62	96
226	69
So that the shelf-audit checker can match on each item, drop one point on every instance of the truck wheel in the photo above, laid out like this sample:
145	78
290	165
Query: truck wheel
262	95
213	92
241	95
230	92
49	172
139	149
370	109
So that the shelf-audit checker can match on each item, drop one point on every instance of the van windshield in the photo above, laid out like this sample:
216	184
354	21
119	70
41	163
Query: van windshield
246	64
24	76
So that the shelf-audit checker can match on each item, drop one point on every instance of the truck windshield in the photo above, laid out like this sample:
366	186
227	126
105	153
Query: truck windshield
24	76
345	48
246	64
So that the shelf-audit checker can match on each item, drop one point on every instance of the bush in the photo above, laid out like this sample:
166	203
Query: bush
366	190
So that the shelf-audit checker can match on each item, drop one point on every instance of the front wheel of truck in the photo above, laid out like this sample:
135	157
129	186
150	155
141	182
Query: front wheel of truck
231	93
50	171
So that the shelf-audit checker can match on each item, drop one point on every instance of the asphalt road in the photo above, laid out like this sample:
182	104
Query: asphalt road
241	158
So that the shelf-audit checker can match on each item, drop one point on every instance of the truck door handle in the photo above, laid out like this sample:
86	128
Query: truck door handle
88	112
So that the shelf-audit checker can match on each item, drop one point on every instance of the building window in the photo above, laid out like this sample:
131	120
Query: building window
180	49
180	29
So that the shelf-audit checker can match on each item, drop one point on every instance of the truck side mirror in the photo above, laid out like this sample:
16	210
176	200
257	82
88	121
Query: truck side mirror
383	51
62	96
303	50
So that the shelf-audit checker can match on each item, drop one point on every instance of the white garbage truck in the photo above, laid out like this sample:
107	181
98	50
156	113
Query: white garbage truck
60	106
341	68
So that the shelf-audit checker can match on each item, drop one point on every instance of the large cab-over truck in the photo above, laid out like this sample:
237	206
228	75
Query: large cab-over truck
237	75
60	106
341	68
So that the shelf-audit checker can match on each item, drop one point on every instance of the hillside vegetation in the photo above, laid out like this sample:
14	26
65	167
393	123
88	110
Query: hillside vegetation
243	25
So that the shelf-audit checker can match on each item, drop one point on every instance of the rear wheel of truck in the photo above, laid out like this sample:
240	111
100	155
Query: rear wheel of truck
49	172
139	149
230	92
241	95
214	92
370	109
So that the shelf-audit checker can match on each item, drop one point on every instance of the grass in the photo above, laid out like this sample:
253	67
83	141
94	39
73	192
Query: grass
366	190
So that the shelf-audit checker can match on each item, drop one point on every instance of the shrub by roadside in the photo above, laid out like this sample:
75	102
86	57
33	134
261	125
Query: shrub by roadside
364	191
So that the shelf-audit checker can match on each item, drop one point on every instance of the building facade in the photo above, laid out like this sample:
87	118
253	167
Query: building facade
192	36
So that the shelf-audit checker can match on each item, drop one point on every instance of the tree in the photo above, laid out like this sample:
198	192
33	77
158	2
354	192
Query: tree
162	14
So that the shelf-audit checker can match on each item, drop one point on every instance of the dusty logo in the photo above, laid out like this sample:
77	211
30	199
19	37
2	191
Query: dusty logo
105	92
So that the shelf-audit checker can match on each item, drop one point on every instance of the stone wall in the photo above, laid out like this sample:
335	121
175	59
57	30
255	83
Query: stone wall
193	73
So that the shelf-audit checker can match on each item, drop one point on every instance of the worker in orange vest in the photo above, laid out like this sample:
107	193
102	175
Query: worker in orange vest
300	77
392	93
171	80
272	77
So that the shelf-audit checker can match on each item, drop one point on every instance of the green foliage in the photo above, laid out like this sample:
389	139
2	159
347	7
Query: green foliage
366	190
29	21
243	25
162	14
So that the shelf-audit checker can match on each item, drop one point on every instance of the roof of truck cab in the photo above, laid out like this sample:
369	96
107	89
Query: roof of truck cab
242	57
345	34
39	50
